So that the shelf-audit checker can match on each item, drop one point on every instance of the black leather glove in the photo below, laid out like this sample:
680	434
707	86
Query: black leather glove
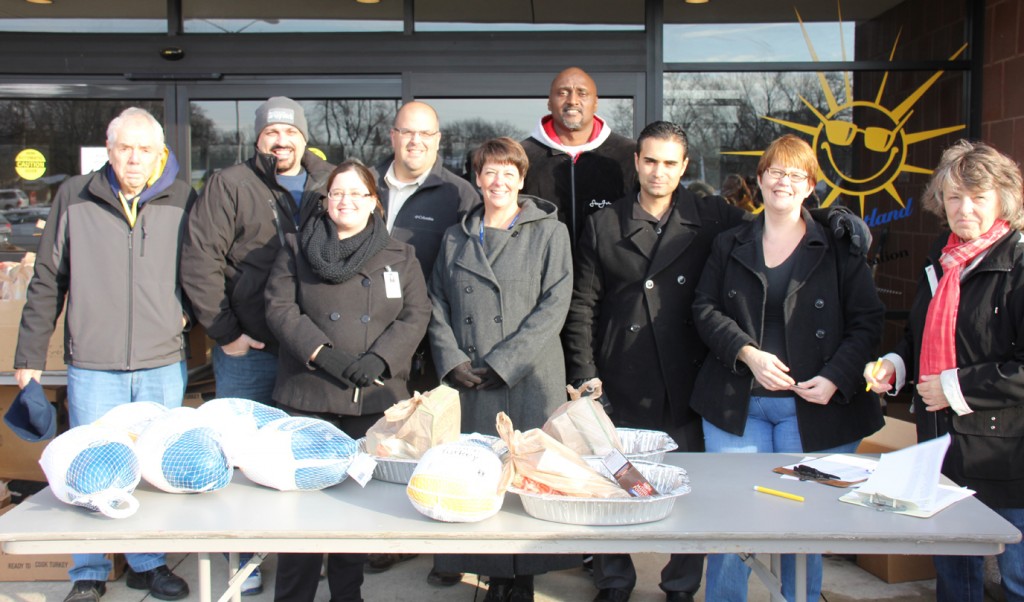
489	379
334	362
576	384
844	224
462	376
365	370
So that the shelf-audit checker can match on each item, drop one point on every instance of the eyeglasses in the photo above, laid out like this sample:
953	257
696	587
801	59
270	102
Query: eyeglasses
796	177
877	139
410	134
809	473
337	195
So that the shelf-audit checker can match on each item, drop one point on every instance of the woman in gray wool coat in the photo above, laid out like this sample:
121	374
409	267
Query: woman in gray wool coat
500	291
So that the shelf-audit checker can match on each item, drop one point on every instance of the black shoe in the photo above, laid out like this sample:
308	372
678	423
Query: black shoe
442	579
499	590
378	563
161	583
613	594
86	591
588	564
678	597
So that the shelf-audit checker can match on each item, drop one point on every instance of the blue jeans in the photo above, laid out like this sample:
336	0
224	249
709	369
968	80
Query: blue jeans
250	376
771	428
91	393
962	578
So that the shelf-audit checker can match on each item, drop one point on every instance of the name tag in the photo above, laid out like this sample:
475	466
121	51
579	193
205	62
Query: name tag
933	281
392	287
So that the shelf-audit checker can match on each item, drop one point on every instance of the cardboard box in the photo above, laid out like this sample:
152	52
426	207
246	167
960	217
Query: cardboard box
897	568
894	568
10	319
19	459
45	567
896	434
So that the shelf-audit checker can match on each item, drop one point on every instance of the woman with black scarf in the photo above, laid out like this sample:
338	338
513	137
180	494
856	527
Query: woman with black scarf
349	306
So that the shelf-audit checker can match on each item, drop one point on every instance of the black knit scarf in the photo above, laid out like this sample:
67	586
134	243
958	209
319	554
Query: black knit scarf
338	260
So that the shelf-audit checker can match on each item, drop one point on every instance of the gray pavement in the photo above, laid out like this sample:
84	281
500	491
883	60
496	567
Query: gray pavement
844	581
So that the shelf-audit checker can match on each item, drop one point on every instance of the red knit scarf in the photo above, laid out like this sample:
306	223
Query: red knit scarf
938	343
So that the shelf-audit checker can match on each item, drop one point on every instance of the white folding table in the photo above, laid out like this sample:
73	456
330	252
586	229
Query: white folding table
723	514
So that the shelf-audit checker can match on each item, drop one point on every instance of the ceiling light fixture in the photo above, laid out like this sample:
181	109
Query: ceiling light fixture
696	1
39	1
368	1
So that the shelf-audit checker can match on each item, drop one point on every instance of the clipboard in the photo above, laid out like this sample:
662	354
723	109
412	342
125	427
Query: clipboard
948	496
830	482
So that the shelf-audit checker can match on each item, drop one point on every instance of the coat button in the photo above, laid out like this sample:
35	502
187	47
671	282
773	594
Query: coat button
471	349
649	284
468	289
497	319
515	234
819	303
365	319
680	279
335	316
366	282
820	333
634	328
469	320
731	293
657	230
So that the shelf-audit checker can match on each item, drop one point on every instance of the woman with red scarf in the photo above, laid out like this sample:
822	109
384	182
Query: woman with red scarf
964	349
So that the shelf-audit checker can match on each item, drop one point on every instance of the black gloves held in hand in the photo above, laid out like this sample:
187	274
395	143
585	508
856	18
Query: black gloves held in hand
350	370
334	362
489	379
462	376
465	376
368	368
844	224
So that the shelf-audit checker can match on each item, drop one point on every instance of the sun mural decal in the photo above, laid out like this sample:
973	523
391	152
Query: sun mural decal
877	129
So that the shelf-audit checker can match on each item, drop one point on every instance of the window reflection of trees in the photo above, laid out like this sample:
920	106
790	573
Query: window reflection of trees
725	112
58	129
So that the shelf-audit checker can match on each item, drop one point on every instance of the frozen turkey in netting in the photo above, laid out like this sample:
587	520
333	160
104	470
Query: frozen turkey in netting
180	454
236	420
94	467
132	418
298	454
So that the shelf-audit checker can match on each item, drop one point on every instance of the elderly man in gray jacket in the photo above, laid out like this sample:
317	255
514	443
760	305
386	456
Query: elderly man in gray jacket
110	248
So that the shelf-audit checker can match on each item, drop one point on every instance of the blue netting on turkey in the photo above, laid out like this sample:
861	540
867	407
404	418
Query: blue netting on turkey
101	467
195	462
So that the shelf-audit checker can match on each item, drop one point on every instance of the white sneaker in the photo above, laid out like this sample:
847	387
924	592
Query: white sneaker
253	584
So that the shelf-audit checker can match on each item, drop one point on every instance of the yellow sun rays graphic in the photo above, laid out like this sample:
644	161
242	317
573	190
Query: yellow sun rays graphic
883	132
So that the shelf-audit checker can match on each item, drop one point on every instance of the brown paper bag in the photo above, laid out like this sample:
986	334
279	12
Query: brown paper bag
543	465
411	427
583	426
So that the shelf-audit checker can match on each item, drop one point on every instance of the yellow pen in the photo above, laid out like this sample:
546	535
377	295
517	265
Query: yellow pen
874	373
788	496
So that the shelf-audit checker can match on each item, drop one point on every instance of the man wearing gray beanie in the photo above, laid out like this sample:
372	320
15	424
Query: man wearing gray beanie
236	228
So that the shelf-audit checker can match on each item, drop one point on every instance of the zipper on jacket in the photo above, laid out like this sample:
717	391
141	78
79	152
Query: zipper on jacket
142	224
131	302
277	221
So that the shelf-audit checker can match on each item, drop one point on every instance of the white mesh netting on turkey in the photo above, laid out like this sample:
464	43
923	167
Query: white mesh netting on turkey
132	418
298	454
94	467
458	483
180	454
236	420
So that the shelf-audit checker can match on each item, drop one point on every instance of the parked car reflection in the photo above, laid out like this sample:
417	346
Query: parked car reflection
21	226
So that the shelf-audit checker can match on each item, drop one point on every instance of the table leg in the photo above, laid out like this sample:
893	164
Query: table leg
204	577
236	595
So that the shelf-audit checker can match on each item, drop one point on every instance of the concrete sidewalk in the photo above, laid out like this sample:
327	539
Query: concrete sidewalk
844	581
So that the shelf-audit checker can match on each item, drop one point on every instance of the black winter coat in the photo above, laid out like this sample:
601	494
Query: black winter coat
578	188
235	231
833	320
439	203
630	322
355	316
987	450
